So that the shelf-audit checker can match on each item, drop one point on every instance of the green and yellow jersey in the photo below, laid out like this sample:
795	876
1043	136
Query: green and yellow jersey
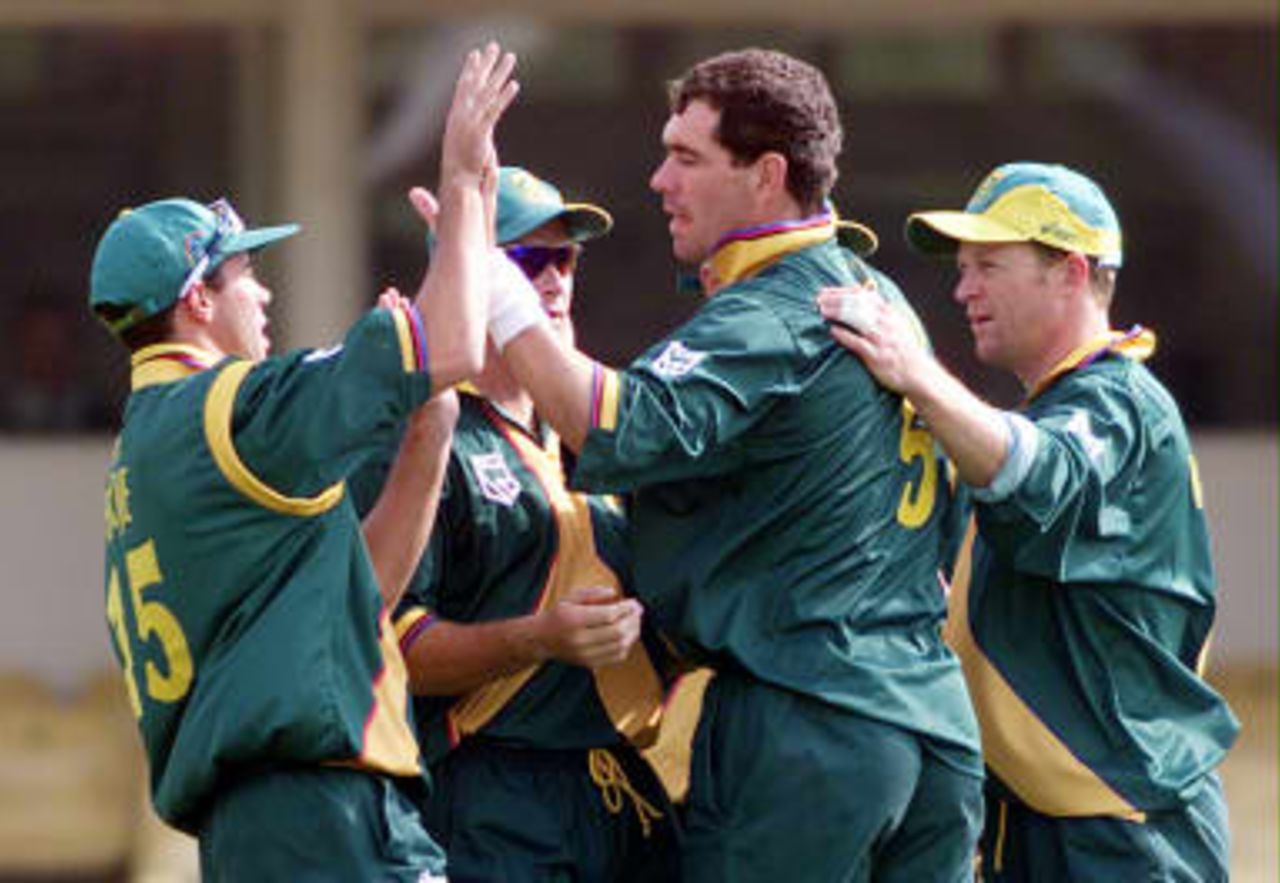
240	597
789	516
1084	610
509	539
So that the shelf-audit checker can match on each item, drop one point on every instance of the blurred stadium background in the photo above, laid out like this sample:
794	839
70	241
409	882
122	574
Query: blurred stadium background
324	111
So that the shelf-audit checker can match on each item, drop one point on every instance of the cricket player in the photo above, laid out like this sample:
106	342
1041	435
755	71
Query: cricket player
523	652
248	615
787	512
1082	608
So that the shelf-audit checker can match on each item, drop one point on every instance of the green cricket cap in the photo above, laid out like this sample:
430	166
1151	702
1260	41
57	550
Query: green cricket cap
526	202
150	256
1026	202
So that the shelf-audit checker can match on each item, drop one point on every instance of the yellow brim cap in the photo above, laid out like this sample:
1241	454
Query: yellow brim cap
939	233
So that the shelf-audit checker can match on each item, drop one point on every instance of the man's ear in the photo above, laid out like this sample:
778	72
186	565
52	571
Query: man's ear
198	302
771	173
1076	268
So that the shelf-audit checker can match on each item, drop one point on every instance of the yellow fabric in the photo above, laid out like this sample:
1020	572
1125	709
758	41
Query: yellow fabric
742	258
1031	213
155	364
1025	753
607	417
218	410
1138	345
672	755
408	620
389	743
408	353
609	776
630	690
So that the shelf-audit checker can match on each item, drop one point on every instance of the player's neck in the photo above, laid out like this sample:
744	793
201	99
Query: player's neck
498	385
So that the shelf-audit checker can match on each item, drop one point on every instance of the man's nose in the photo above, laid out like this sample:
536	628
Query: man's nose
658	180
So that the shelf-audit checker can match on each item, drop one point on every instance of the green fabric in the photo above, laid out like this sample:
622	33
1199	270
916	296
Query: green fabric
840	797
320	825
147	253
489	558
516	801
1184	845
279	612
766	469
537	817
1093	586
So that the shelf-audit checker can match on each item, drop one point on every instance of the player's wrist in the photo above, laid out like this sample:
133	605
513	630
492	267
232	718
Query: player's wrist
514	304
535	644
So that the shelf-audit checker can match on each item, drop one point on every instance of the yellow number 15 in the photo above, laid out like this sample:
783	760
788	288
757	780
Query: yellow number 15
142	572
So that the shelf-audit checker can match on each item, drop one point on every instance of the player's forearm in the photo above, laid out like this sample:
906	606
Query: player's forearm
450	658
974	435
559	379
396	530
453	299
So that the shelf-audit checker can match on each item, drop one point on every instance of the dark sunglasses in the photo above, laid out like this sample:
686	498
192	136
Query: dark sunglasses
533	259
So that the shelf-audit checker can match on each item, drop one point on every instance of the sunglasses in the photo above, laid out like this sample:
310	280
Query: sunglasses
533	259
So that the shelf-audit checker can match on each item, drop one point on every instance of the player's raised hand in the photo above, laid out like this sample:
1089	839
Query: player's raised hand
484	90
592	627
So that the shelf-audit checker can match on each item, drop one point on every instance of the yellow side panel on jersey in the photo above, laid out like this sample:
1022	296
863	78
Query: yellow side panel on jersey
389	743
1025	753
218	408
672	755
629	690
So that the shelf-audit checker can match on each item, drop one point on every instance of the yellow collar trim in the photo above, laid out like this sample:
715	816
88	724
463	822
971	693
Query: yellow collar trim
168	362
1137	343
747	253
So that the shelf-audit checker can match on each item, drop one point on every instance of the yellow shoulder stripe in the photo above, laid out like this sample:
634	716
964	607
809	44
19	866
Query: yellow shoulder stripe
218	408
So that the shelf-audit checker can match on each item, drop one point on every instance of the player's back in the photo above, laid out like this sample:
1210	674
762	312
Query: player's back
240	627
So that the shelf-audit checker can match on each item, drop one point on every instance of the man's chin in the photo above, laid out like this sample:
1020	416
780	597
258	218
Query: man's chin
687	253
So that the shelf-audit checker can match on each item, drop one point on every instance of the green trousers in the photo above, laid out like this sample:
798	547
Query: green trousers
786	788
520	815
316	825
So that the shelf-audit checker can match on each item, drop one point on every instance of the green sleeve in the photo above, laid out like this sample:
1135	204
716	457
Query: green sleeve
1072	513
307	419
684	406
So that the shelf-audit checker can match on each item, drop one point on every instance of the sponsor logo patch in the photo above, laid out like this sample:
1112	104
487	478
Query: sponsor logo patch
676	360
497	482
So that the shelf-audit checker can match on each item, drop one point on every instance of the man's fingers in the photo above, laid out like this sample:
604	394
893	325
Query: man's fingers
503	101
856	307
592	594
851	340
426	205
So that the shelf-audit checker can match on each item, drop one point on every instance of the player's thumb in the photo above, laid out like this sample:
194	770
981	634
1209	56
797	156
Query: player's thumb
425	204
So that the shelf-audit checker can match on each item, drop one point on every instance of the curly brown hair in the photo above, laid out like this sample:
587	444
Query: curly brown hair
769	101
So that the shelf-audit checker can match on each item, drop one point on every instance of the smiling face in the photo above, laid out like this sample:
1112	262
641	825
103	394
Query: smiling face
703	191
238	322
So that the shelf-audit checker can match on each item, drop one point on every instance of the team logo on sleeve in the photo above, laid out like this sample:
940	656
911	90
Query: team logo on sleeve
497	482
676	360
1079	426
